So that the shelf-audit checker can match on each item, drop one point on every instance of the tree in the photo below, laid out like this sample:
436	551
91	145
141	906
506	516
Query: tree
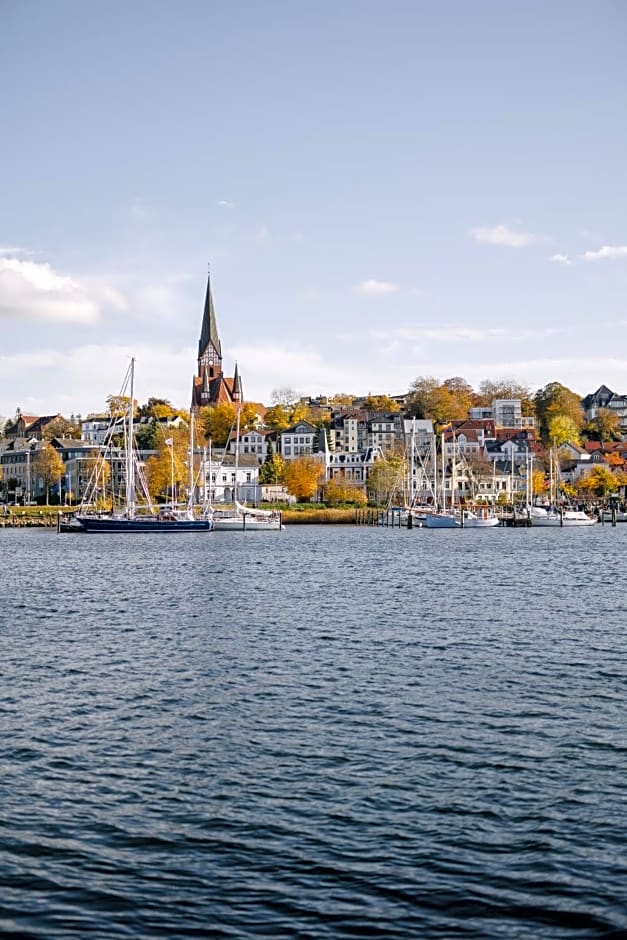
96	476
553	400
48	465
382	404
167	470
563	430
337	492
249	417
60	427
118	405
600	482
284	396
489	389
386	479
342	400
277	418
156	408
441	402
273	468
302	477
605	426
217	422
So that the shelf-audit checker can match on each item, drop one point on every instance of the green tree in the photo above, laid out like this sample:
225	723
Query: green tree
156	408
48	465
302	477
386	480
273	468
553	400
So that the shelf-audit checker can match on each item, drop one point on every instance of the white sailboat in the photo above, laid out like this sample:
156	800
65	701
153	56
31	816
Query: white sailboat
555	516
244	518
457	517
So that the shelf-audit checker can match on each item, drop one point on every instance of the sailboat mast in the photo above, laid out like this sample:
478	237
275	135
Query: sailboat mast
130	465
191	460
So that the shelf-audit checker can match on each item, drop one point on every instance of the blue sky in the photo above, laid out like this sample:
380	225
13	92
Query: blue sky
383	191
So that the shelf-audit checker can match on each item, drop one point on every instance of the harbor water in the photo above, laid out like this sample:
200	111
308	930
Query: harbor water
324	732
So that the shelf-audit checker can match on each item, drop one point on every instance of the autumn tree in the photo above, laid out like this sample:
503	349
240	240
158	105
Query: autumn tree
439	401
217	422
118	405
489	389
553	400
342	400
156	408
302	477
169	468
338	492
382	404
563	430
278	418
61	427
600	482
48	465
605	426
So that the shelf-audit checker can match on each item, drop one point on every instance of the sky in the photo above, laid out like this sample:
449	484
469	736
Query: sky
381	191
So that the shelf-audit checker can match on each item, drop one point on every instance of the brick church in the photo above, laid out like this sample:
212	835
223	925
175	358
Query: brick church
211	386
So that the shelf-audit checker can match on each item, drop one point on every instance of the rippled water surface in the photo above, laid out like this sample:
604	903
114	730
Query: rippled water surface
324	732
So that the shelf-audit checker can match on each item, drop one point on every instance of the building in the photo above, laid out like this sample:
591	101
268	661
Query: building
210	385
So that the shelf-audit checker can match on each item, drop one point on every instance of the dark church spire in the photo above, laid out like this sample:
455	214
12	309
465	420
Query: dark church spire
209	331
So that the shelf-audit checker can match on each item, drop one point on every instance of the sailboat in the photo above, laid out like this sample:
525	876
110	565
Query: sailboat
130	517
244	518
554	516
457	517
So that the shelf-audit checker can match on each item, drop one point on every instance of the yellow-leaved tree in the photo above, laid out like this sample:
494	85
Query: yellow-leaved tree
48	465
168	471
302	477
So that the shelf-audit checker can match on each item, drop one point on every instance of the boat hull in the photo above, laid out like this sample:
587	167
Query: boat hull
245	523
104	524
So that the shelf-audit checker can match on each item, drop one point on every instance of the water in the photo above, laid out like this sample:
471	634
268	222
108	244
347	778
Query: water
322	733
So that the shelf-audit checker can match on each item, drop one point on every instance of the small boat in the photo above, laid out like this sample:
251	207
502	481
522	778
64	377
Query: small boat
558	518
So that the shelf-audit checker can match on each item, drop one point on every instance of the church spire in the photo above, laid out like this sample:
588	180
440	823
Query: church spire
209	331
237	386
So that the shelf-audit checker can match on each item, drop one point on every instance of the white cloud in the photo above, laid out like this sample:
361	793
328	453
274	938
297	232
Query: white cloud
12	250
504	235
608	251
226	204
262	235
33	291
374	288
45	381
561	259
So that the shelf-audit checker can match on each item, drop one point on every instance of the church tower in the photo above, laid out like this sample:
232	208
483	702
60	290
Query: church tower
211	386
